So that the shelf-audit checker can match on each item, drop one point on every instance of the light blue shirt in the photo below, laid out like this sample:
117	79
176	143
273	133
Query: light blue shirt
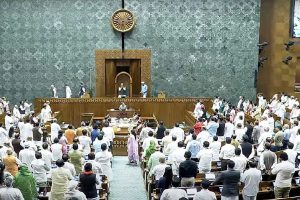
144	88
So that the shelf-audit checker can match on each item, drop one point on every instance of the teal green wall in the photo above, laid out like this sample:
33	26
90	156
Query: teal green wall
199	47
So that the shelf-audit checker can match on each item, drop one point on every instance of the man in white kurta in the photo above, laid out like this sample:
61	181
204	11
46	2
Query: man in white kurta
26	156
3	134
68	92
54	129
86	142
27	131
9	122
104	157
60	180
205	157
177	157
178	132
54	91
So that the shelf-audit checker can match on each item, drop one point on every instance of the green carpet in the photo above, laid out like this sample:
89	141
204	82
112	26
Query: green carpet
127	183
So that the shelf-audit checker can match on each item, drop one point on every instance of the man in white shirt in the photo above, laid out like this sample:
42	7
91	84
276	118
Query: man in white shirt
109	133
204	193
68	91
159	170
3	134
229	128
99	141
240	160
226	153
292	154
239	132
27	107
284	173
205	156
271	122
262	140
86	142
27	130
147	140
215	147
46	155
177	157
54	129
56	149
26	156
251	179
178	132
239	118
54	92
174	192
166	140
9	121
39	170
172	146
193	146
69	165
294	130
144	133
203	136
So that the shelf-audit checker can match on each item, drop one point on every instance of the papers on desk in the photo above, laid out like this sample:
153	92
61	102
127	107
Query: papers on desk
191	191
210	176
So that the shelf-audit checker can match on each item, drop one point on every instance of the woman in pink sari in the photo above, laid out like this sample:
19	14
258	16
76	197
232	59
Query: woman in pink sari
132	148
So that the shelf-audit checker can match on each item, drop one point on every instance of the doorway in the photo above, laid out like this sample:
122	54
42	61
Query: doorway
135	62
113	67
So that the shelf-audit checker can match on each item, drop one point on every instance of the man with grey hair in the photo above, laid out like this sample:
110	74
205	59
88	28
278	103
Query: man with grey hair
8	192
159	170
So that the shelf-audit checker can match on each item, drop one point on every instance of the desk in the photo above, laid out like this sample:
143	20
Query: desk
121	114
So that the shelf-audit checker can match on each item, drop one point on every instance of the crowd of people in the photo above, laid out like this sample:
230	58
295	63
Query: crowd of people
71	162
245	150
75	160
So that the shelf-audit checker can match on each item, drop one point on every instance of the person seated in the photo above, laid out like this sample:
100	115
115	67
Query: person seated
123	107
122	91
174	192
204	193
8	192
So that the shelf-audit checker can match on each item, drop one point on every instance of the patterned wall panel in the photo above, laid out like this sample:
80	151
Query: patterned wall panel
199	48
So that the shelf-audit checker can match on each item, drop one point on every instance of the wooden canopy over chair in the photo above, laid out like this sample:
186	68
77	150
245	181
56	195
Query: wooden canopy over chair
125	78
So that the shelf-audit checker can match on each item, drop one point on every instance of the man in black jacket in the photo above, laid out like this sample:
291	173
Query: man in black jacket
230	180
188	170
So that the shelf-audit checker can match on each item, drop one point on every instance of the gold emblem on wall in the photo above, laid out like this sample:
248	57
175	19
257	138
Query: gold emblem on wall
123	20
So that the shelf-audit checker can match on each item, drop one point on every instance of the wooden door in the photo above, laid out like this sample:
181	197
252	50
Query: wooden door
110	74
135	73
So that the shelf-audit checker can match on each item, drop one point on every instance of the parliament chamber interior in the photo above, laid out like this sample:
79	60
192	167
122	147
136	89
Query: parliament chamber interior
149	100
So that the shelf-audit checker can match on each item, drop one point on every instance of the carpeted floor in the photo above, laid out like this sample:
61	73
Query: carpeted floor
127	183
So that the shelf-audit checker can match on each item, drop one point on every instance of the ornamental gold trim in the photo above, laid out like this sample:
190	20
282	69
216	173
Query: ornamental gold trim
126	100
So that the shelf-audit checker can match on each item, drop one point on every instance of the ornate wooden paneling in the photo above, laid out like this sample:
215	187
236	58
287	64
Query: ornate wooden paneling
101	55
170	110
276	76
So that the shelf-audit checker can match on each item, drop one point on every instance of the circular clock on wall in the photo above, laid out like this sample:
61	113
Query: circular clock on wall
123	20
